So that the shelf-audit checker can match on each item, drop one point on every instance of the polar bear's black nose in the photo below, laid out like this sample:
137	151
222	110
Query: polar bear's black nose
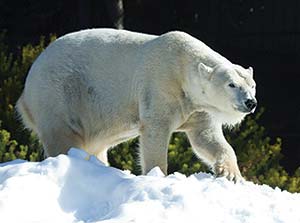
251	104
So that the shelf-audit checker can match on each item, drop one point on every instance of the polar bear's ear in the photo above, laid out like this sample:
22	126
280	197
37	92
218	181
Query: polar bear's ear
250	70
204	69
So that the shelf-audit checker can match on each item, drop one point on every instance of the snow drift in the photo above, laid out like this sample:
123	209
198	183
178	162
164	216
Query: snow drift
72	188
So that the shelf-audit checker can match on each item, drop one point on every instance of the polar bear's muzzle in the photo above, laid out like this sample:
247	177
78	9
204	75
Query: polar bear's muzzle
248	106
251	104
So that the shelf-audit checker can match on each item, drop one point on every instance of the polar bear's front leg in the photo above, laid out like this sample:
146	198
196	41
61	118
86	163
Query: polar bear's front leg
158	115
210	145
154	140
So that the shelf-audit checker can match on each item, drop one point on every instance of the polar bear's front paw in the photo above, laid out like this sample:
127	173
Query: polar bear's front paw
229	170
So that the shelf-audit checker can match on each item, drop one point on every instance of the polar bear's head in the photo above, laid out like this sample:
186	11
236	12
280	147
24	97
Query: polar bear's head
227	88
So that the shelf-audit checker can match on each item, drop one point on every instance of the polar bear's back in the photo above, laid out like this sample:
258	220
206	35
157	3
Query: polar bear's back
101	57
110	52
108	36
88	49
101	43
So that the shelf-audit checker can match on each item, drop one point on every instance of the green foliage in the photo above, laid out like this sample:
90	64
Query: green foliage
125	156
13	70
181	157
11	150
258	155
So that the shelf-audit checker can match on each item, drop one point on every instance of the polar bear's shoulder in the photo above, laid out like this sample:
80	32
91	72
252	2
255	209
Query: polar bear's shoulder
192	47
180	39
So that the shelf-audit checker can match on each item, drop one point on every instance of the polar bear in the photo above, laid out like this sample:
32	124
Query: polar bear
96	88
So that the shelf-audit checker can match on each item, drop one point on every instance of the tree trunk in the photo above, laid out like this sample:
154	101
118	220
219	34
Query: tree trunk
115	12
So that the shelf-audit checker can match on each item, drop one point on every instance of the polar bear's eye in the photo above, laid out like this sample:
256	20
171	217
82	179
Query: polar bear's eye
232	85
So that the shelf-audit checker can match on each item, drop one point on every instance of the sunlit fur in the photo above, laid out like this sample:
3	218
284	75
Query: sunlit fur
96	88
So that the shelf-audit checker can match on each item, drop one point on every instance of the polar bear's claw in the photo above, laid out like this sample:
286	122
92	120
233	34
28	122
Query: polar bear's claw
232	173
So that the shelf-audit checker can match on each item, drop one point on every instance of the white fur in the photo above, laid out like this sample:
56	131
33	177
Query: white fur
96	88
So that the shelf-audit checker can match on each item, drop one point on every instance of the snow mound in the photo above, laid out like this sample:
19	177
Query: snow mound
79	188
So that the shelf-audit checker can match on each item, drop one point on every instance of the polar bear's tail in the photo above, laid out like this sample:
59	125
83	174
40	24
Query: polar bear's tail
25	114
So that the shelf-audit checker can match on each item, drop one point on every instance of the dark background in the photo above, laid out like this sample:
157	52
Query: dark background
261	34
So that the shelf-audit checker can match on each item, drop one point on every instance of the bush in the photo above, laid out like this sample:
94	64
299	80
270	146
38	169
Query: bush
11	150
13	70
259	156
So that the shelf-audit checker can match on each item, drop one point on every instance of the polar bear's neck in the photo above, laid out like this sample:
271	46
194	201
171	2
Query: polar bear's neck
225	118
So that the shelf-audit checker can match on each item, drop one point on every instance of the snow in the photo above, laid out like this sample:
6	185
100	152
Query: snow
79	188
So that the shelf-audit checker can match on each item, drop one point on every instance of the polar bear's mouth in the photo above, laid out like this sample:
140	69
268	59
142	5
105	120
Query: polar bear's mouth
241	109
